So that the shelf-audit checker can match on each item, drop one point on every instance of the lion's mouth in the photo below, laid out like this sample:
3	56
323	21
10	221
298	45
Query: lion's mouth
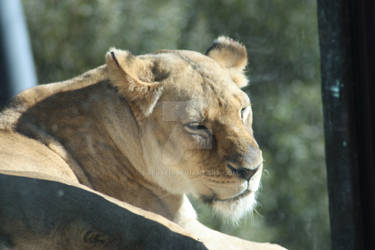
236	197
214	197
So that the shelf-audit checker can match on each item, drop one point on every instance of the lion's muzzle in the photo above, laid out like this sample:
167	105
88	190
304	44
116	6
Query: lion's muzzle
246	164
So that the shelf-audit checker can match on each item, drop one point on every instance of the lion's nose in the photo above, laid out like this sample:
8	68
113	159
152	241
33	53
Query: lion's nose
244	165
241	172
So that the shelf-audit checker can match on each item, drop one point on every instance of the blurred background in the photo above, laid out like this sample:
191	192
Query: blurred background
69	37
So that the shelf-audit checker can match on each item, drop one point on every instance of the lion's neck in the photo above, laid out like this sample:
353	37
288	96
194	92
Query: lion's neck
97	129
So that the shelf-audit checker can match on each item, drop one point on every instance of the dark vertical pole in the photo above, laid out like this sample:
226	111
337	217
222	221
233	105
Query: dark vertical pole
363	51
347	46
16	65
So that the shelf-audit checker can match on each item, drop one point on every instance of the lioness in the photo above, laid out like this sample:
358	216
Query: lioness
147	130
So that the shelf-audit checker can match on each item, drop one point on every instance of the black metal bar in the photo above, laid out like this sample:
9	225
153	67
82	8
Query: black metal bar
346	30
363	53
16	64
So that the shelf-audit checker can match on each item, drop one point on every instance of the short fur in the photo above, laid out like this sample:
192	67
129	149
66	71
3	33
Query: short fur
124	129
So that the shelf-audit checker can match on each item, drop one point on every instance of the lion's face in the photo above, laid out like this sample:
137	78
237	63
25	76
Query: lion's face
197	135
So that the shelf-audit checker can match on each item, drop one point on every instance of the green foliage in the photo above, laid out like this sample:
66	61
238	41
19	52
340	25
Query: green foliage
71	36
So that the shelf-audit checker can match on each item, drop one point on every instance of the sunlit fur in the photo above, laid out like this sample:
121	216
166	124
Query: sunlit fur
233	211
175	157
110	131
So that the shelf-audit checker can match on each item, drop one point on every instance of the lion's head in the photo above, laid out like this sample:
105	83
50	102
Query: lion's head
196	122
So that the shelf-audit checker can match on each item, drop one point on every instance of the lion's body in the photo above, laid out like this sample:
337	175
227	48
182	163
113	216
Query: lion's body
119	130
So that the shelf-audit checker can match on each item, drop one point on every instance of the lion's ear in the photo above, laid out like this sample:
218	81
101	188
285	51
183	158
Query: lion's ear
231	55
135	80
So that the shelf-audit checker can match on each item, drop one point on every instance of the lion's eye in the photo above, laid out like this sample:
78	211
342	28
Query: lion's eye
197	129
245	113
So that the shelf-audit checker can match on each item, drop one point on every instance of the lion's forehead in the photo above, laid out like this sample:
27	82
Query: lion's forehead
206	107
197	87
186	62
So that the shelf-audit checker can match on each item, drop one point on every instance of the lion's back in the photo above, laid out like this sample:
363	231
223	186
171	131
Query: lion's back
22	154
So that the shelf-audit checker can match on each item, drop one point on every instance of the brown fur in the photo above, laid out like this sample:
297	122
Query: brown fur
123	130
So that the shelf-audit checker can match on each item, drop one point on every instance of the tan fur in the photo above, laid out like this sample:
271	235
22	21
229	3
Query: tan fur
122	130
231	55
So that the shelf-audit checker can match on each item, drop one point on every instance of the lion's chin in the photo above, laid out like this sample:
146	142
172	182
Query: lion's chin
235	209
